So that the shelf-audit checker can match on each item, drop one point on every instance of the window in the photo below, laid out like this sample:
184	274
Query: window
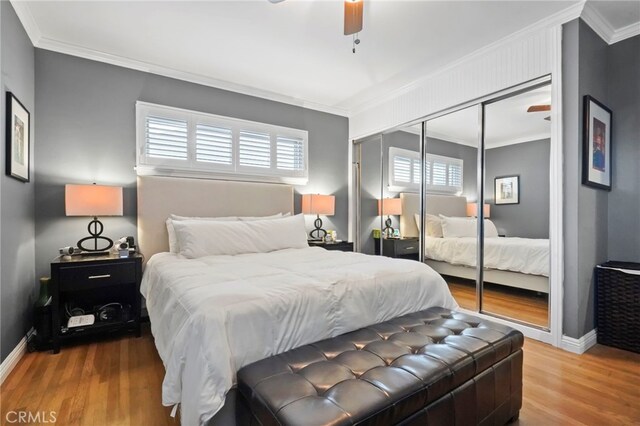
177	142
442	174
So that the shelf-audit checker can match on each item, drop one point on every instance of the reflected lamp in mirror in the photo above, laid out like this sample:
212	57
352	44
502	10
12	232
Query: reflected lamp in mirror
319	205
93	201
472	210
389	207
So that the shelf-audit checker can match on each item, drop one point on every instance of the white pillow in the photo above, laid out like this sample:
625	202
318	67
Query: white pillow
455	227
490	229
198	238
434	225
275	216
173	241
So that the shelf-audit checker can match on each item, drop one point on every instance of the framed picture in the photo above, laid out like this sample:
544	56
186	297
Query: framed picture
596	151
18	125
507	190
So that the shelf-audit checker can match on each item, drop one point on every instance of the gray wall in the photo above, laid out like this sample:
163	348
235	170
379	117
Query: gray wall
624	198
87	134
530	160
585	71
18	282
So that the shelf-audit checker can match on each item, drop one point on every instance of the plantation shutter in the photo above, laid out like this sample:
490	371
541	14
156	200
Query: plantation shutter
166	138
254	149
401	169
290	153
214	144
178	142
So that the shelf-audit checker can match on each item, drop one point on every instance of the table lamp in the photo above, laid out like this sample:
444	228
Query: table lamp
389	207
93	201
472	210
318	204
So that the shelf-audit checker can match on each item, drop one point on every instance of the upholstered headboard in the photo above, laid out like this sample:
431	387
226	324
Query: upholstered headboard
158	197
448	205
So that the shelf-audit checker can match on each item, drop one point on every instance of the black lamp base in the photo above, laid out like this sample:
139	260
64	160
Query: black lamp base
318	233
388	230
95	229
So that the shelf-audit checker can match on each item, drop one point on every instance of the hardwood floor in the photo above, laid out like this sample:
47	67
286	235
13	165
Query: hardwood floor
520	304
118	382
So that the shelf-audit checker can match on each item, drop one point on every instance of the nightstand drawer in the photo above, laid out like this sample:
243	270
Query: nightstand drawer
406	247
81	277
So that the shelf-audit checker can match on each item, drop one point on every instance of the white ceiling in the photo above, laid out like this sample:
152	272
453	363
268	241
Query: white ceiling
507	121
292	51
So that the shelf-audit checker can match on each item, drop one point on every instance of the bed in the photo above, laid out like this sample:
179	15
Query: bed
212	315
511	261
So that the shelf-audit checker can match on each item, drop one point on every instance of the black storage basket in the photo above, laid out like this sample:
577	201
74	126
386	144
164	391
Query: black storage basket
618	305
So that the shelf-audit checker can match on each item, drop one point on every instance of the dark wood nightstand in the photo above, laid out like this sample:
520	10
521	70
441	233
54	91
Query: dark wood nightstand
342	245
405	248
87	283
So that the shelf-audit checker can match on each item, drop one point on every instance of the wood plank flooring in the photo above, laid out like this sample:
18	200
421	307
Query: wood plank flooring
119	381
520	304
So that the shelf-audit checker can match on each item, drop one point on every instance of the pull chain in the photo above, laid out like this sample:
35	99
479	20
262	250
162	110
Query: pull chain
356	41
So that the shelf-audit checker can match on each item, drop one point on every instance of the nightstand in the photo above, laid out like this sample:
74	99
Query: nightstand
84	284
342	245
404	248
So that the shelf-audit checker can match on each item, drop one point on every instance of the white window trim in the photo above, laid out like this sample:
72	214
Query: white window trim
395	186
146	166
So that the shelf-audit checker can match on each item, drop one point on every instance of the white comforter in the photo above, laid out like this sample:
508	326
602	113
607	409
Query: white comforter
525	255
213	315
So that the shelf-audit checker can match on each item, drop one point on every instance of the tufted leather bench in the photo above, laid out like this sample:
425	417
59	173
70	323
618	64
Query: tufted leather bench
434	367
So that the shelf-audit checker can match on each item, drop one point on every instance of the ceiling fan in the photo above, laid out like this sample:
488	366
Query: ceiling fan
352	19
540	108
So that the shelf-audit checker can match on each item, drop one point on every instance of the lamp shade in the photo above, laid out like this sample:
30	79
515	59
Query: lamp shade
93	200
472	210
318	204
390	207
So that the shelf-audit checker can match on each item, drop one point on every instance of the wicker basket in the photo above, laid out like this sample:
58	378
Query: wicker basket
618	305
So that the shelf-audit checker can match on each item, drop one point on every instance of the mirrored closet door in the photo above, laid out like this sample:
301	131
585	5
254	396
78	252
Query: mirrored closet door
517	141
451	176
468	192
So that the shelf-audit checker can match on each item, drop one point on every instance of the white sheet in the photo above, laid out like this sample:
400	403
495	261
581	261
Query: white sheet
213	315
525	255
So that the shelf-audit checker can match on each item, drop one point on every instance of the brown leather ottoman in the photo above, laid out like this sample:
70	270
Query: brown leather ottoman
434	367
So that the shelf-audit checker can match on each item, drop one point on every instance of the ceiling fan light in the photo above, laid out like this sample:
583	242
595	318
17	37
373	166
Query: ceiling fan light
353	16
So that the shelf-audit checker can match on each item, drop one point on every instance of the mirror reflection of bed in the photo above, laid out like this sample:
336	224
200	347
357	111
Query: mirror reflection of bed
516	269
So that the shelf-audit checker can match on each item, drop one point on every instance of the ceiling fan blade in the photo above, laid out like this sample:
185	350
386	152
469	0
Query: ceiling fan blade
275	1
538	108
353	16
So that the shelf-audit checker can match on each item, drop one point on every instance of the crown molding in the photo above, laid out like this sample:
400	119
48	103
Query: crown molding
603	28
41	42
558	18
625	33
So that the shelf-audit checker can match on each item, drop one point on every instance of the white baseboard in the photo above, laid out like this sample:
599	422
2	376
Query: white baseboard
12	359
581	345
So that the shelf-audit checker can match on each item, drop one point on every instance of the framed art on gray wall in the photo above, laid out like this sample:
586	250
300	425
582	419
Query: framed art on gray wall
596	152
17	143
506	189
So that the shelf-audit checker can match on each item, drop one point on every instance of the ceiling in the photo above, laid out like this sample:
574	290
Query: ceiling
507	122
292	51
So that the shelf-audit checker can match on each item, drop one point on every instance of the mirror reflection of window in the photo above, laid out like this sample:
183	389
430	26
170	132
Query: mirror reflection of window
401	187
450	245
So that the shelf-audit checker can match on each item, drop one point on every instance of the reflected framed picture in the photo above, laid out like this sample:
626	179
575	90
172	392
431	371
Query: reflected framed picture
17	143
506	190
596	151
